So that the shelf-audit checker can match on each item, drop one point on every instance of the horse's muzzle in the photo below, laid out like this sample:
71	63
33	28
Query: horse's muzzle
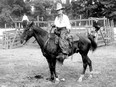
23	42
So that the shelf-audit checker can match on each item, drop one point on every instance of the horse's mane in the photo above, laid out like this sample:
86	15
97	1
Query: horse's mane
38	29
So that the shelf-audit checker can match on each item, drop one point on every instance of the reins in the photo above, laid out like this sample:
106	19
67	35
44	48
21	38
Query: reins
48	38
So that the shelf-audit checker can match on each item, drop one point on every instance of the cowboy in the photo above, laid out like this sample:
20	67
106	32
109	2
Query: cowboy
25	20
63	25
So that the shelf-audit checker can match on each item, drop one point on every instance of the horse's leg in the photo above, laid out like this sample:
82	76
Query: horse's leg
84	59
90	66
55	74
51	67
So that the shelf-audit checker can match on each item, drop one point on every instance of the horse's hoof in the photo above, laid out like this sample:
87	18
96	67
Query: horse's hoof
57	79
90	76
50	79
80	80
63	79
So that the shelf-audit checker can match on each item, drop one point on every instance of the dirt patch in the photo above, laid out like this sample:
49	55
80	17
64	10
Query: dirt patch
26	67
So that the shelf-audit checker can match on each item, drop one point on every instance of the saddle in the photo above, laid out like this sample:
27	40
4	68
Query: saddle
64	43
73	37
70	37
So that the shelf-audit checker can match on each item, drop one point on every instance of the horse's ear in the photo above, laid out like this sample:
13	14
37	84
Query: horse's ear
30	29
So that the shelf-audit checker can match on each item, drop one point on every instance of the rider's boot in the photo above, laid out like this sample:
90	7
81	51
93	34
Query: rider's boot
63	55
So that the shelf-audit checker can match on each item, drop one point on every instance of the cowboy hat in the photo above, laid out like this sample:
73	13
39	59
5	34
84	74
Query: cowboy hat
59	6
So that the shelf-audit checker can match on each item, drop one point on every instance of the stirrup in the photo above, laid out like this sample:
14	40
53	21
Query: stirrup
65	56
59	56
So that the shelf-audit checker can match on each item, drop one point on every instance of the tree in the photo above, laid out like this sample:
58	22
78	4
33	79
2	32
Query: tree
110	11
5	10
86	8
94	8
16	8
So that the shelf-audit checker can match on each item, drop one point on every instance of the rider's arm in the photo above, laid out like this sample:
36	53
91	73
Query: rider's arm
67	23
56	21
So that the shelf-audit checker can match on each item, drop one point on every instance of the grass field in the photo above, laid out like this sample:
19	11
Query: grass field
20	66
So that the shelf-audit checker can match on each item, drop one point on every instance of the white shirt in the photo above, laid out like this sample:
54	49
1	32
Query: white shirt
25	18
62	21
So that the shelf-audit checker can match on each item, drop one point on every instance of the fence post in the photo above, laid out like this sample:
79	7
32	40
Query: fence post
5	25
15	25
38	20
112	29
19	25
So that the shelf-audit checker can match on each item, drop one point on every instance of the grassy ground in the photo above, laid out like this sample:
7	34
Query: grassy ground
26	67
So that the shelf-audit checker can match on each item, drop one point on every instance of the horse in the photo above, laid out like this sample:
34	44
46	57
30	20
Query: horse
51	50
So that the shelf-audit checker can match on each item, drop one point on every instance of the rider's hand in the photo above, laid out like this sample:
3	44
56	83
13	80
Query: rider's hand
68	30
53	26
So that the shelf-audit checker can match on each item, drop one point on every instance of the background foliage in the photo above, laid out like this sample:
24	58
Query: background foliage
14	9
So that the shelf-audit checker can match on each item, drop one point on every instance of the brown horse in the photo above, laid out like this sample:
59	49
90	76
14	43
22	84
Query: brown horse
51	50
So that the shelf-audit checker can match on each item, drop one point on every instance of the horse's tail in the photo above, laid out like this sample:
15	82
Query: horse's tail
93	43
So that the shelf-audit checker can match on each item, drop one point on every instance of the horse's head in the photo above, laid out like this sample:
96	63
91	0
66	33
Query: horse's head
90	36
27	33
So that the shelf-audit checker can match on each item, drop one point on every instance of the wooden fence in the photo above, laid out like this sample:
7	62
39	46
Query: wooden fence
81	26
11	39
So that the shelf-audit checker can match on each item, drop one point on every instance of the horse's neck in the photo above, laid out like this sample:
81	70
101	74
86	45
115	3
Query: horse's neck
41	37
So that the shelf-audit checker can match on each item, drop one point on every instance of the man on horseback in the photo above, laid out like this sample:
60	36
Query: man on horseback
63	25
25	20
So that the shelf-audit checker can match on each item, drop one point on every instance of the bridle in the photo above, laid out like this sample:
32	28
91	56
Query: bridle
49	35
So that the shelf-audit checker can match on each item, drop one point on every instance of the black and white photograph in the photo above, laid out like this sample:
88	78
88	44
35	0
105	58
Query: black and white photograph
57	43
